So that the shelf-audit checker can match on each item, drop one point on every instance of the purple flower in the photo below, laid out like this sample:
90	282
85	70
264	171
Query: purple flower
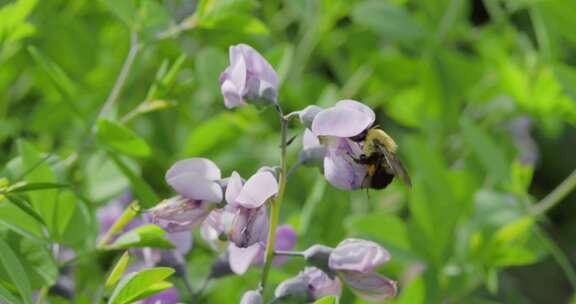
320	284
250	224
356	261
215	228
249	227
340	168
313	152
286	238
256	191
196	179
335	127
357	255
309	285
242	258
249	76
346	119
180	213
167	296
370	286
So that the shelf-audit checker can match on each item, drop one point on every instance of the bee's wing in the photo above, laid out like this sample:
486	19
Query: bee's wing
396	165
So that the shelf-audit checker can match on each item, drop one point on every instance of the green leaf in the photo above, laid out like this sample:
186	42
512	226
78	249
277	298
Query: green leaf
117	272
7	296
327	300
154	289
43	201
15	271
132	286
129	213
387	228
514	232
20	222
392	21
57	75
143	236
124	10
38	262
25	186
24	206
121	139
143	191
64	212
486	151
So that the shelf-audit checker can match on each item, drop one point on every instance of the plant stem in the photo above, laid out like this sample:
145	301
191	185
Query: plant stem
275	204
556	196
120	80
288	253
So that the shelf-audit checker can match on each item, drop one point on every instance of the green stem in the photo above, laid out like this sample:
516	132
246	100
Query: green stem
275	205
289	253
556	196
561	259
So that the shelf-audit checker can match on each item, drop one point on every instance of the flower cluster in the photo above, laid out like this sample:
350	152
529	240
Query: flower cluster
238	217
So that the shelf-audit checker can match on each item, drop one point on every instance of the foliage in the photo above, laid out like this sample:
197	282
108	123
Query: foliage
451	80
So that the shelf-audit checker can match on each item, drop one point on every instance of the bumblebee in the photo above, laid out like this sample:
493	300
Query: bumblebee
380	159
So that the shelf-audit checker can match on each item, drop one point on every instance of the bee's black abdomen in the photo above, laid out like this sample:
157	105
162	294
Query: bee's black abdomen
381	179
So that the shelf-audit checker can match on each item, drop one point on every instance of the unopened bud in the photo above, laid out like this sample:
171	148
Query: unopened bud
251	297
318	256
307	115
294	289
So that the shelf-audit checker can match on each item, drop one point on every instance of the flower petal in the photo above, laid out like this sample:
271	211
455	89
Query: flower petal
234	187
343	121
286	238
340	169
179	213
241	258
257	190
309	140
257	65
370	286
195	187
202	167
250	226
358	255
320	284
232	95
357	106
251	297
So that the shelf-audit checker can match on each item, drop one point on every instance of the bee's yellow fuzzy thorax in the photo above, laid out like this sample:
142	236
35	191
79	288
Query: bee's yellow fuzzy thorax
379	136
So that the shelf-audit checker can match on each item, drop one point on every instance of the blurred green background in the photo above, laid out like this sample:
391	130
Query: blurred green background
479	94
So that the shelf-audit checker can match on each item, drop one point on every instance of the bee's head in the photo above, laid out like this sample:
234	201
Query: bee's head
360	137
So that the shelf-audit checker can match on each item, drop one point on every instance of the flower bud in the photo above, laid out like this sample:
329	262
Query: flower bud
251	297
358	256
318	256
313	152
320	284
179	213
307	115
309	285
295	289
370	286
